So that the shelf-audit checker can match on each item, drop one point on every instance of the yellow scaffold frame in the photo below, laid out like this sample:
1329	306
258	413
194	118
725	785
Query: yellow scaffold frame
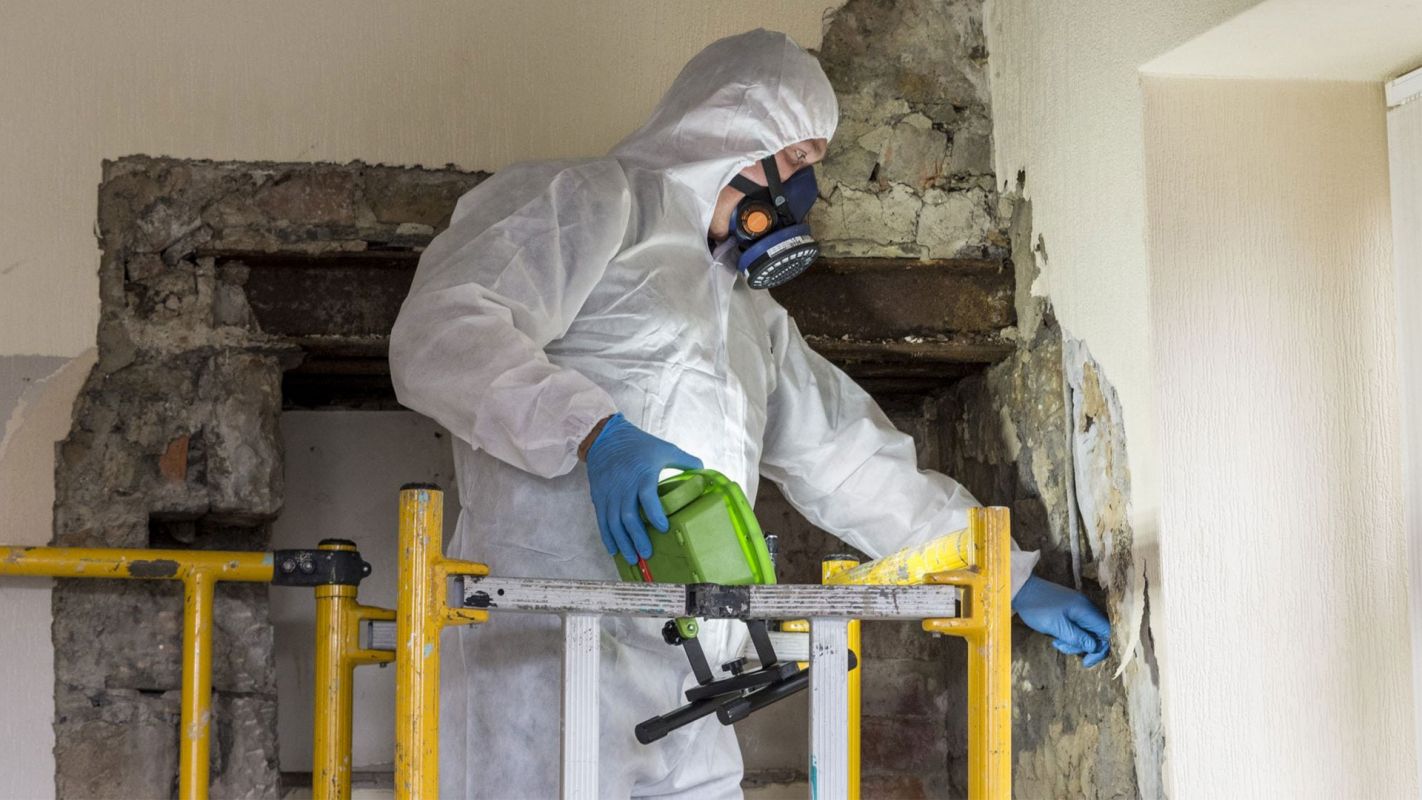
424	610
199	571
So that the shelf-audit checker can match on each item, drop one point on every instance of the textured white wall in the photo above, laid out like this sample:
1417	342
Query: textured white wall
26	502
1404	139
476	83
1285	579
1283	627
1292	39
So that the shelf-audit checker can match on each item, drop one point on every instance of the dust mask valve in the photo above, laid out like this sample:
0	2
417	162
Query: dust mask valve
769	225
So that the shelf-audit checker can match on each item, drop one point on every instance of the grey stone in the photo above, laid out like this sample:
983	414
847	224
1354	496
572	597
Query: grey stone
952	223
971	153
909	173
175	444
913	153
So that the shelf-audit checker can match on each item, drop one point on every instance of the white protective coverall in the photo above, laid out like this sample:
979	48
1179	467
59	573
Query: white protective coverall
563	292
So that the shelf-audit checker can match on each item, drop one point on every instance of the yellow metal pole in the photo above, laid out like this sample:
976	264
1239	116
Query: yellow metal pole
830	567
196	718
199	572
338	653
421	613
994	550
912	565
135	563
331	740
986	624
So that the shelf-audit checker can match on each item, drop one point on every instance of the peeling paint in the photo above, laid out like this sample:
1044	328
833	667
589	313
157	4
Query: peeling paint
21	379
1078	733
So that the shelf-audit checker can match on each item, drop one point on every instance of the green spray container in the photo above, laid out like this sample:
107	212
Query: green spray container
713	536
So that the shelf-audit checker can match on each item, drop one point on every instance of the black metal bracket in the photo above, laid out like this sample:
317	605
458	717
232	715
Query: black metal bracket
324	567
737	697
694	654
714	601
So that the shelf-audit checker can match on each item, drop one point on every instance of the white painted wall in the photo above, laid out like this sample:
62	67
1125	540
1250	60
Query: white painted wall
26	657
1245	320
478	84
1285	580
1404	138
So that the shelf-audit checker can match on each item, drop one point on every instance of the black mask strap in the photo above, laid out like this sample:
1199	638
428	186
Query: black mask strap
745	185
777	190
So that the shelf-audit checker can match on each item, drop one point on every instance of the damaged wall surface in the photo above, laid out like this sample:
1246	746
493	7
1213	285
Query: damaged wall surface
1042	433
175	443
910	174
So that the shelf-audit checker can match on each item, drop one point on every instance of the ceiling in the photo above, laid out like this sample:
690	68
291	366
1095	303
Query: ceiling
1341	40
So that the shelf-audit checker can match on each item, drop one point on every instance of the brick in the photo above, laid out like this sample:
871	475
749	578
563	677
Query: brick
173	464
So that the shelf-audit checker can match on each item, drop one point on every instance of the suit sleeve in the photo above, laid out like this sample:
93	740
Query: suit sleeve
521	257
840	461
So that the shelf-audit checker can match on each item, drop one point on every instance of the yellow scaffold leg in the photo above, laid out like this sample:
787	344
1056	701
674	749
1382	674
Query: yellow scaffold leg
196	713
421	613
987	625
338	652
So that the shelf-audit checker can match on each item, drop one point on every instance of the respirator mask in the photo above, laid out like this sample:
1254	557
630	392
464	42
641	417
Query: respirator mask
768	226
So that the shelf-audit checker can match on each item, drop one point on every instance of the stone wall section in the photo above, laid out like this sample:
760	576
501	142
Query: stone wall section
175	443
910	171
910	174
1042	434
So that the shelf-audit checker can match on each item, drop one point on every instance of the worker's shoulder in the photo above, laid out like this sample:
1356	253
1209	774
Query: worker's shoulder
518	184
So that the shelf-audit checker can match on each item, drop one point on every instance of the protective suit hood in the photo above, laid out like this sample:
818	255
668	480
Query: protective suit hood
740	99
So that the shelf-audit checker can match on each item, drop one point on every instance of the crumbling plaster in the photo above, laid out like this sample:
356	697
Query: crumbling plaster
1041	433
909	172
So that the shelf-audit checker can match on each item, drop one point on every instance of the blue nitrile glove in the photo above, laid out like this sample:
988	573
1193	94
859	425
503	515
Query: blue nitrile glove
624	463
1077	626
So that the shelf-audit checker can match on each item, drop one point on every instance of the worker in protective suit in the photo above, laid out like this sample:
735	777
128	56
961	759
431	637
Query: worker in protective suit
584	324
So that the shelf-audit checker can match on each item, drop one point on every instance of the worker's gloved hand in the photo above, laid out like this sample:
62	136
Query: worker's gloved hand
1077	626
624	463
